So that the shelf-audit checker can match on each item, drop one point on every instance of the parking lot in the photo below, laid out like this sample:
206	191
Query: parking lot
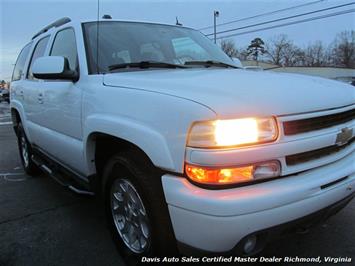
42	223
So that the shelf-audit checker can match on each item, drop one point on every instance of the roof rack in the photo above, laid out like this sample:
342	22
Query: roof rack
56	23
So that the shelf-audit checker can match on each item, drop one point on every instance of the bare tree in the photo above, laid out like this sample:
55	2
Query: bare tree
228	46
276	48
343	52
242	54
281	51
316	55
292	56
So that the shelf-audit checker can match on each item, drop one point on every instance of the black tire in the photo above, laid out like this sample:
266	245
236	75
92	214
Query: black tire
28	165
147	183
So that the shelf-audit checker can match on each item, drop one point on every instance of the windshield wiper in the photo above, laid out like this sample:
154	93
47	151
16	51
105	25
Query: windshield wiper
145	64
209	63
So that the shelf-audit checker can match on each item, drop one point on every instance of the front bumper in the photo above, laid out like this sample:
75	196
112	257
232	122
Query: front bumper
217	220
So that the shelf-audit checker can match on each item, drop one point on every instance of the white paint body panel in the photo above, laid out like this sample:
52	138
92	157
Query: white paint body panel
216	220
155	122
235	93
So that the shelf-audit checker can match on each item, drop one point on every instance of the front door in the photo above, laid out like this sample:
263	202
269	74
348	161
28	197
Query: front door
61	108
30	93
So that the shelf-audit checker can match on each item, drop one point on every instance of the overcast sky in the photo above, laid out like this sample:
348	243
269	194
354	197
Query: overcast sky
19	20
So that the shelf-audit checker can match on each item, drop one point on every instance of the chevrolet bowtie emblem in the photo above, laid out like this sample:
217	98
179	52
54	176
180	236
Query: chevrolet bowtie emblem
344	136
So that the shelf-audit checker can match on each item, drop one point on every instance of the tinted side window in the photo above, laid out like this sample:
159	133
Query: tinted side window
20	63
65	45
38	52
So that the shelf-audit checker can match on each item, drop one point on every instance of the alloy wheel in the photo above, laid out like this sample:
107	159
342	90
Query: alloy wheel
129	215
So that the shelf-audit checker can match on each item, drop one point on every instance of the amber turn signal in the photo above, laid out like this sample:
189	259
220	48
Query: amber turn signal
232	175
219	176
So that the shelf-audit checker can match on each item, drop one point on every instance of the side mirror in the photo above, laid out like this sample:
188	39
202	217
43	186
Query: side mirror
53	67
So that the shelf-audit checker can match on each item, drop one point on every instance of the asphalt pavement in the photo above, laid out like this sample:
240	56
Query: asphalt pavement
43	223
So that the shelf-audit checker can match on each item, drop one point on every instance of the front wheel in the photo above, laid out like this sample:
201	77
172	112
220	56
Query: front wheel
136	209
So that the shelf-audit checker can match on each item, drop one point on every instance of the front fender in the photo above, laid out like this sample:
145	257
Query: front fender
149	140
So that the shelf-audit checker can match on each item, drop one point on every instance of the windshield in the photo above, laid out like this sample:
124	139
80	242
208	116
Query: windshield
131	42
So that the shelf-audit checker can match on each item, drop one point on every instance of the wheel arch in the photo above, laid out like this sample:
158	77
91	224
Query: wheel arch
127	133
102	146
106	146
16	118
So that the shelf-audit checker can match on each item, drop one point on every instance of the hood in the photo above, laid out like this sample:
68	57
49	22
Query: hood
238	92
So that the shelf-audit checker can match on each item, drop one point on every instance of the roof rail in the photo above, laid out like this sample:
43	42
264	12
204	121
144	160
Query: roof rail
56	23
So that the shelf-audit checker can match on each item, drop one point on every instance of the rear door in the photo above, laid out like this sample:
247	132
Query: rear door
28	91
17	88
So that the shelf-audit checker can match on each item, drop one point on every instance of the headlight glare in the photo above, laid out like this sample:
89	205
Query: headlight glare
232	132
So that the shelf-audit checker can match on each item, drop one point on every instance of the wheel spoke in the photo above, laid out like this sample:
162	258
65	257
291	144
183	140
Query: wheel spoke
131	195
142	242
118	196
131	234
123	187
125	228
24	151
144	228
117	208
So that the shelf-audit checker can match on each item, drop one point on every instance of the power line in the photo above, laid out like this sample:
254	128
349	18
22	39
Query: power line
264	14
291	23
284	18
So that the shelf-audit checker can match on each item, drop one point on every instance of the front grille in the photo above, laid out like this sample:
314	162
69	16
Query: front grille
315	154
316	123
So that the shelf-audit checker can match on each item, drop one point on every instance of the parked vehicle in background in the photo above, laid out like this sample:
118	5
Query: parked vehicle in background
187	150
4	95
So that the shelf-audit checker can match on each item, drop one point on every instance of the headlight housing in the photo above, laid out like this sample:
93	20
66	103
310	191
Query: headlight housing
232	132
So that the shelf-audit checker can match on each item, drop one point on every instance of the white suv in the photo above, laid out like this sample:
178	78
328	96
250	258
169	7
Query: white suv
185	147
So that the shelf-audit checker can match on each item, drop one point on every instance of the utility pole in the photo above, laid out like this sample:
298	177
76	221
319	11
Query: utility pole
177	22
215	15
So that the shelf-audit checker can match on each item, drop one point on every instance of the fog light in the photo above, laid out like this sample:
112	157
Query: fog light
267	170
250	244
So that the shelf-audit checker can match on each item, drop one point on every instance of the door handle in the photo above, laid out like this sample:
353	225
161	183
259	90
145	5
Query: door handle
21	95
40	98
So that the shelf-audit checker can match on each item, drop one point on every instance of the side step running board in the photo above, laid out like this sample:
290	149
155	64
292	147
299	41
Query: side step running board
66	182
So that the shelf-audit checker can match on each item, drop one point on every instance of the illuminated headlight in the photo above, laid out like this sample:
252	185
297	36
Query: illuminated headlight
232	132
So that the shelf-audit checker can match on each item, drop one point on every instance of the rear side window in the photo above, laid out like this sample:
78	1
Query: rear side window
65	45
20	63
38	52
